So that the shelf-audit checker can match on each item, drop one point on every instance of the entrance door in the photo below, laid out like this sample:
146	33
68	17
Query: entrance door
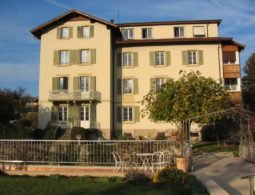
85	116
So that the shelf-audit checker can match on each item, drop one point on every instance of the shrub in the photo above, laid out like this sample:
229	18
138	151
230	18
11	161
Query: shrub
2	173
170	176
137	177
86	134
126	136
195	186
52	132
22	123
10	131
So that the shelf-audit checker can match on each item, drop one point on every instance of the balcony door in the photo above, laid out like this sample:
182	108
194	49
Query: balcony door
85	116
84	86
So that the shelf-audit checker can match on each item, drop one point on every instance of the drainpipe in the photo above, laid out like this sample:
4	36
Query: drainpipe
219	60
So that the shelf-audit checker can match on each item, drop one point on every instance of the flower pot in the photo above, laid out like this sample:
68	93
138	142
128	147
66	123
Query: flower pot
182	163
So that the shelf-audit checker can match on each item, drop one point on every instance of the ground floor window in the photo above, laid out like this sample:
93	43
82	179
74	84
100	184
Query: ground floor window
127	114
85	113
63	113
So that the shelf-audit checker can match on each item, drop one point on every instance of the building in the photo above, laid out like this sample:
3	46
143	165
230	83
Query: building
94	73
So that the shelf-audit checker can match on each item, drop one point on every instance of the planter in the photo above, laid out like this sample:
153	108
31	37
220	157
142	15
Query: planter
182	163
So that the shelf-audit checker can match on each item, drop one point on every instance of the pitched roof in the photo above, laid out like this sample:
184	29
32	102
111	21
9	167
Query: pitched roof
38	31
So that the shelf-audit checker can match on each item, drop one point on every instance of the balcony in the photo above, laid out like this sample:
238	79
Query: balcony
230	87
76	95
231	71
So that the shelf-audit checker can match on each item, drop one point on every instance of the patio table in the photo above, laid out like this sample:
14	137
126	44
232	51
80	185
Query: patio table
145	158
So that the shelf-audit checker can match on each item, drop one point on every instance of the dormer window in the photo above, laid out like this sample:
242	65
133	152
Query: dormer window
179	31
128	33
147	33
199	31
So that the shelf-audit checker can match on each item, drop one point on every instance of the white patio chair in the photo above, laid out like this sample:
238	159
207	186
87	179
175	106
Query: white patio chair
157	161
168	158
119	163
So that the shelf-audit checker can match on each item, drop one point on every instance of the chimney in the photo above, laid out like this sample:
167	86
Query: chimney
112	21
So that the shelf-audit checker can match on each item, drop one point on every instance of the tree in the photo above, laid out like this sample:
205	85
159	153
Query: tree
190	96
249	83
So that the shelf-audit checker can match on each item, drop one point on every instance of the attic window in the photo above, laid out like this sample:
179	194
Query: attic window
199	31
65	32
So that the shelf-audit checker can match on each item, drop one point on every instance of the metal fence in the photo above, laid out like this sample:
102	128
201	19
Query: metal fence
84	152
247	152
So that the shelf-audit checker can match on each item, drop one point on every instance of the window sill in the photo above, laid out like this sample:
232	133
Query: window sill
193	65
128	122
160	66
131	66
63	65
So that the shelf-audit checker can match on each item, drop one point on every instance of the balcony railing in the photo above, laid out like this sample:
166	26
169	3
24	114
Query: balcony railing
230	87
78	95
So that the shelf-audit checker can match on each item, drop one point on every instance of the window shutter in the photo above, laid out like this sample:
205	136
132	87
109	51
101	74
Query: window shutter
76	83
135	85
119	114
135	59
93	56
72	57
59	30
79	31
136	114
70	32
91	31
55	81
153	84
119	86
77	56
56	58
152	58
168	58
185	57
93	116
92	83
74	113
65	83
201	57
119	59
54	113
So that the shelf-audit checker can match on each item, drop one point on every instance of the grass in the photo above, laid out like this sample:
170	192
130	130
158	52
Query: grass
61	185
203	147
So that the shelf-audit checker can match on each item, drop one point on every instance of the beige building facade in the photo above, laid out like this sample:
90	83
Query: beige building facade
94	73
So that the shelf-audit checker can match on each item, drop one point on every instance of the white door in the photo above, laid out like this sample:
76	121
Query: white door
85	116
84	86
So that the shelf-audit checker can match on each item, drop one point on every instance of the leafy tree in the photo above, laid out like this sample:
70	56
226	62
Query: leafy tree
249	83
190	96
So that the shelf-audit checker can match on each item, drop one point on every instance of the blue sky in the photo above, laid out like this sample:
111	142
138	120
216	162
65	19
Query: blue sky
19	50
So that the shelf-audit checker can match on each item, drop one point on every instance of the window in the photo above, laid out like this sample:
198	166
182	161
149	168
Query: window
127	86
64	57
84	84
127	114
85	113
128	33
127	59
179	31
62	113
65	32
230	83
192	57
198	31
159	55
85	56
85	31
159	82
147	33
229	57
63	83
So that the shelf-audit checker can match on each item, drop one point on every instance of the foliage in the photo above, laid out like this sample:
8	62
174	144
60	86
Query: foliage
171	176
126	136
137	177
52	132
10	131
249	83
195	185
32	117
86	134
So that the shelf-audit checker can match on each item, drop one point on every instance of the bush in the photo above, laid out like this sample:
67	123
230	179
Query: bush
86	134
52	132
126	136
10	131
195	186
137	177
170	176
22	123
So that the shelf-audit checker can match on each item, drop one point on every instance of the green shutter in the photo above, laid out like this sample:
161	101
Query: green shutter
200	57
70	32
168	58
119	114
93	56
185	57
79	31
77	56
76	83
59	30
55	83
74	115
135	85
91	31
92	83
153	84
152	58
93	116
119	86
65	83
119	59
136	114
72	57
54	113
135	59
56	58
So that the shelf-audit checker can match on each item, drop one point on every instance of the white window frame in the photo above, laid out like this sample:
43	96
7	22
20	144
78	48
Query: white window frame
192	57
127	59
128	87
127	114
85	31
200	34
85	113
63	113
129	33
148	33
85	56
84	83
65	32
230	86
61	83
159	58
159	82
180	31
64	57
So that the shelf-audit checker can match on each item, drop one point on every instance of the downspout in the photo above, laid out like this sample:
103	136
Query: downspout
112	84
219	60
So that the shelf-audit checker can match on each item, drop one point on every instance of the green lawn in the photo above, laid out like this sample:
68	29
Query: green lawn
89	185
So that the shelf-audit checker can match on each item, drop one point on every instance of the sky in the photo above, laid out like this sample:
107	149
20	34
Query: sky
20	51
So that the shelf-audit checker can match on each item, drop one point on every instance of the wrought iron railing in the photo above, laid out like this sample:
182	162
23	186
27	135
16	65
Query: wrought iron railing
63	95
